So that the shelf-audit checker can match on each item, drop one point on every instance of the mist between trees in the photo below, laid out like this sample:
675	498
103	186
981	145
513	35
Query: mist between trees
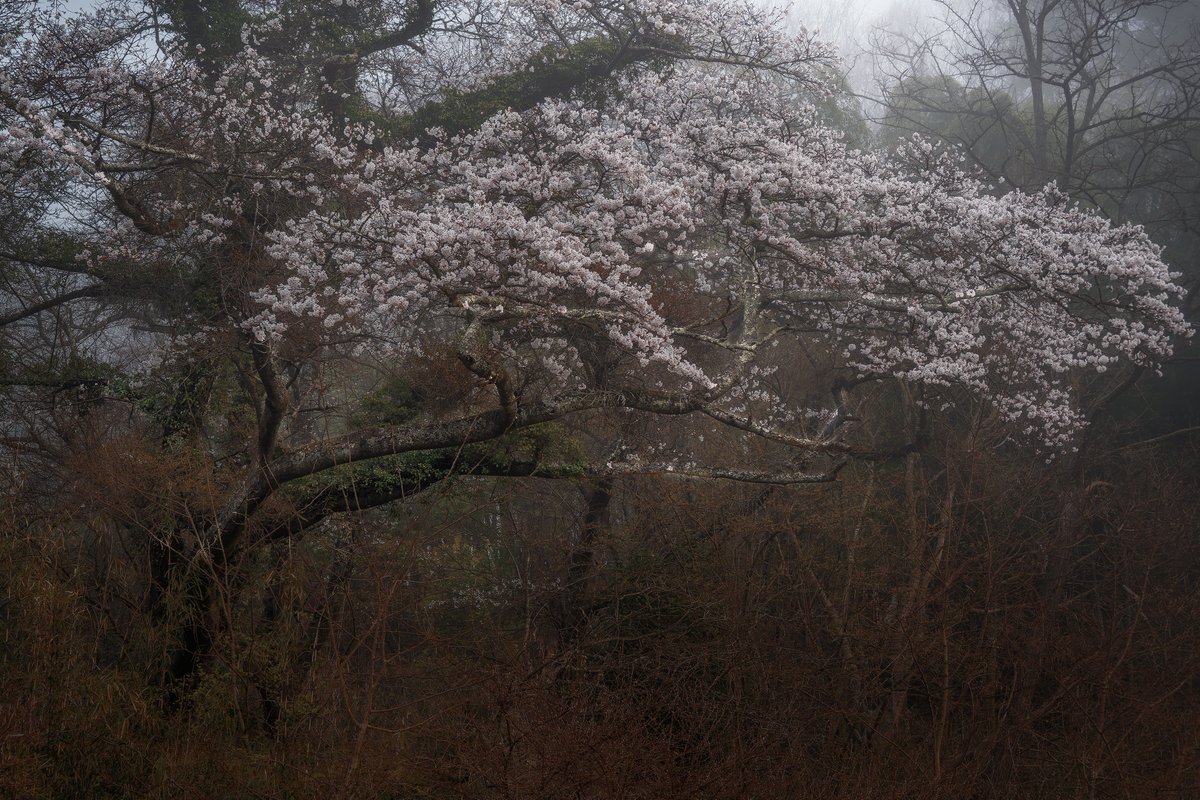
597	400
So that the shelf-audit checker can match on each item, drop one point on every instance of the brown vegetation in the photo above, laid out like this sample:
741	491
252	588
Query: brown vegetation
932	628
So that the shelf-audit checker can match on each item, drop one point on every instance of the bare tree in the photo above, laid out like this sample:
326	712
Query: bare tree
1100	96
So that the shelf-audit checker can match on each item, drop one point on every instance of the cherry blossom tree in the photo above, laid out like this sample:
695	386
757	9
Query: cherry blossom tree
599	210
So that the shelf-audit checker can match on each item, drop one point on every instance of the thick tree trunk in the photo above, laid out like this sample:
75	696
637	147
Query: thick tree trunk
582	562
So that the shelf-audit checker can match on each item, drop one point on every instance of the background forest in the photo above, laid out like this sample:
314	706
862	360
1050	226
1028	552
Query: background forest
415	399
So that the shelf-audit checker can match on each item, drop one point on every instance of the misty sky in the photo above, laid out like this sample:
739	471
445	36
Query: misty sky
842	21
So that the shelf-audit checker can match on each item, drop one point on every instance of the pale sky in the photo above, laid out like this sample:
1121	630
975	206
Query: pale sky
847	24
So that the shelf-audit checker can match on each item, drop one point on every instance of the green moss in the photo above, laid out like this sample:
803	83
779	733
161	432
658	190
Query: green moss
395	402
214	25
551	72
541	450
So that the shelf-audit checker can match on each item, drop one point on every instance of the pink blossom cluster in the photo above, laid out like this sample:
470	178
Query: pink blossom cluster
696	218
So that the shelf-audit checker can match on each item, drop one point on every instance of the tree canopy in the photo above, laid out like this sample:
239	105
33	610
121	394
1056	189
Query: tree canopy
542	212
